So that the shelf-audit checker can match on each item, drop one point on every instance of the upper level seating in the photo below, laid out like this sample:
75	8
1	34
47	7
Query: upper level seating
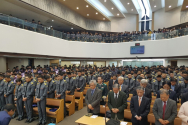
86	37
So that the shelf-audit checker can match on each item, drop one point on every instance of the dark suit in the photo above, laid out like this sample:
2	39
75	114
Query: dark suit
111	83
125	89
4	118
184	98
142	111
131	83
177	89
147	93
172	95
170	111
121	104
94	100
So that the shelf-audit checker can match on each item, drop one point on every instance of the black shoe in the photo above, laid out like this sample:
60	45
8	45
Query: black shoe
27	121
31	120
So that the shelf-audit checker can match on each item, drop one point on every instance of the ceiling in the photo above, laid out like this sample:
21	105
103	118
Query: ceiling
84	8
185	5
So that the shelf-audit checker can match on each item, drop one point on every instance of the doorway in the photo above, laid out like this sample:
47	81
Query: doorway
174	63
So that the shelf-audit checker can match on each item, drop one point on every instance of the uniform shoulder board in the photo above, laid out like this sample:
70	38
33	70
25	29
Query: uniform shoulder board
64	80
73	77
133	79
53	81
34	80
22	84
4	80
12	82
179	81
66	77
125	78
31	83
37	83
45	84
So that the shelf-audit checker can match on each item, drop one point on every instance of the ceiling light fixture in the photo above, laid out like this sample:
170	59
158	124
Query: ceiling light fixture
118	14
112	8
77	8
71	28
52	20
63	0
103	18
50	26
170	6
104	0
96	12
87	6
131	9
87	14
155	6
128	3
186	6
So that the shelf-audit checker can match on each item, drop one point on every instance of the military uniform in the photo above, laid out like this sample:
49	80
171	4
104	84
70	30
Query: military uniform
103	88
179	78
51	89
131	84
182	85
107	76
80	83
92	77
71	82
19	102
41	93
156	86
28	92
101	75
2	98
9	92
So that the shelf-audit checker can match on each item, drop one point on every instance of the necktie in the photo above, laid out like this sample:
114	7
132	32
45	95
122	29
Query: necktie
116	98
120	88
92	91
139	101
164	107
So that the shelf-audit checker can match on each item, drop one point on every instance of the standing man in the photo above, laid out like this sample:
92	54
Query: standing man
62	87
130	82
103	88
71	82
93	97
140	107
51	87
2	98
40	95
164	109
117	102
92	76
157	84
28	93
112	81
80	82
123	88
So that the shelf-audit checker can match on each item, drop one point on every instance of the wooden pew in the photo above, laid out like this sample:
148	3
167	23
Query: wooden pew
130	95
79	102
70	106
58	114
102	109
127	114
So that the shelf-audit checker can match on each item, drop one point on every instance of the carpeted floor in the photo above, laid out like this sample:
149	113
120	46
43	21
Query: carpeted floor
69	120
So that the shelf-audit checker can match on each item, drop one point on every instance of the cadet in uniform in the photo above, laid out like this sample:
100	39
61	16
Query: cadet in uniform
40	95
91	76
28	93
18	99
2	98
157	84
71	82
107	76
61	89
103	88
130	82
80	82
51	87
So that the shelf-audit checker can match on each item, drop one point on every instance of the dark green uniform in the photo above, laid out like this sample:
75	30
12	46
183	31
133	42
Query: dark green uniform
103	88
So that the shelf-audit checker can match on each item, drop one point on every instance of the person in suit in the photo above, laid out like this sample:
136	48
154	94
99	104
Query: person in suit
2	85
6	114
184	97
147	92
138	81
40	96
172	94
51	87
183	113
123	88
112	82
80	82
175	87
140	107
164	109
130	82
70	84
117	102
93	97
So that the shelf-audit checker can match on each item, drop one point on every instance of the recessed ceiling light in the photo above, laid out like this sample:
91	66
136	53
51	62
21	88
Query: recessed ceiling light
50	26
87	6
112	8
118	14
186	6
170	6
52	20
63	0
104	0
103	18
155	6
96	12
128	3
131	9
87	14
71	28
77	7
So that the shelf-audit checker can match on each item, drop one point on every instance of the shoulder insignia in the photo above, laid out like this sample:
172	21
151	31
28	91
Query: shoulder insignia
74	78
4	80
34	80
133	79
179	81
66	77
64	80
12	82
37	83
53	81
125	78
22	84
45	84
31	83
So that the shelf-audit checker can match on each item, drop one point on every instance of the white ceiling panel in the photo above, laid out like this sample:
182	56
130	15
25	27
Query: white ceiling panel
128	4
170	4
155	5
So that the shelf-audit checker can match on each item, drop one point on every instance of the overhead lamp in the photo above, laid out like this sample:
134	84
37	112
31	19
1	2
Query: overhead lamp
186	6
112	8
77	8
118	14
128	3
71	28
63	0
87	14
50	26
87	6
96	12
170	6
103	18
104	0
131	9
52	20
155	6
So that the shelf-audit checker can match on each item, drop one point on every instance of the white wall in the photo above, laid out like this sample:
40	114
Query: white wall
13	62
41	62
181	62
111	62
124	24
2	64
27	39
166	19
98	63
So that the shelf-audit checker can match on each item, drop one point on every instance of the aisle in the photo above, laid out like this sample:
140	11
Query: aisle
69	120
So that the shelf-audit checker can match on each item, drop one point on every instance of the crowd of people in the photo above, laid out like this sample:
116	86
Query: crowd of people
169	84
91	36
